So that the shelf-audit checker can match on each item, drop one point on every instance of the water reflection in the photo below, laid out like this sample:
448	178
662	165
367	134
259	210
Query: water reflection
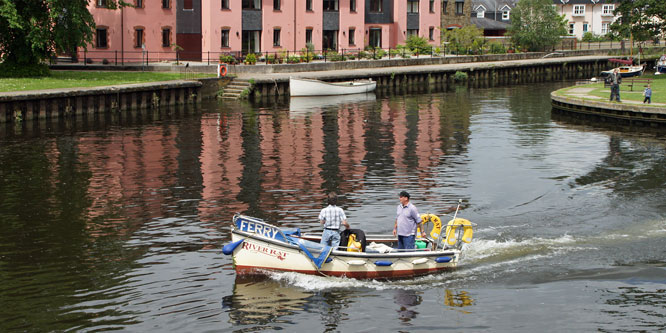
458	299
407	301
260	301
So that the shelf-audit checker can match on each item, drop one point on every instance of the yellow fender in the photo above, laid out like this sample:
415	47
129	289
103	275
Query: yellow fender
436	224
353	245
453	226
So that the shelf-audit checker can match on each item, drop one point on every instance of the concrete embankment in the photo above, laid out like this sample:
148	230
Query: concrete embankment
273	80
578	102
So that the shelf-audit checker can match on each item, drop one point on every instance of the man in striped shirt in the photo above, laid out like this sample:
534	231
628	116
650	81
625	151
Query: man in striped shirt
331	217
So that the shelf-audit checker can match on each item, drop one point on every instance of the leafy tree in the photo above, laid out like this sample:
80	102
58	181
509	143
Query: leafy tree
33	30
536	25
468	39
641	19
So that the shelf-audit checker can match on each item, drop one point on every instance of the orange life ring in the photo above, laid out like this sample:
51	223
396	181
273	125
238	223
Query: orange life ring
223	70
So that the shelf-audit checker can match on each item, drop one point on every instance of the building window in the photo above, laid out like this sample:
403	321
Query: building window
571	28
352	6
138	37
412	32
352	36
101	38
444	7
505	15
308	36
376	6
481	12
166	37
432	6
579	10
225	38
101	3
276	37
188	5
584	27
166	4
252	4
276	4
431	33
224	4
308	5
412	6
460	8
331	5
604	28
138	3
607	9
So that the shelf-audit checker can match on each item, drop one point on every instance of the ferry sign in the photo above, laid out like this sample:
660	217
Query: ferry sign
258	228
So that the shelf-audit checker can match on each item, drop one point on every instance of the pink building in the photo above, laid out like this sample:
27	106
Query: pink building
204	29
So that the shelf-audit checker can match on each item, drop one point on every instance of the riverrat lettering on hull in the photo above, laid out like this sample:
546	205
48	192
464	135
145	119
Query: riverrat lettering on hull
281	255
258	228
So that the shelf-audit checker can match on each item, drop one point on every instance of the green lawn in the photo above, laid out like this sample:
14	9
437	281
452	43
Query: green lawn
658	89
75	79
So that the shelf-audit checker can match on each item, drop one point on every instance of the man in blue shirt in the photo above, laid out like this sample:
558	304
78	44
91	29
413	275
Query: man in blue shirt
332	217
406	222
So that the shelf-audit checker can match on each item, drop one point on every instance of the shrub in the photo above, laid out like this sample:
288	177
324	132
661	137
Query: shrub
418	44
227	59
460	76
495	47
20	70
306	54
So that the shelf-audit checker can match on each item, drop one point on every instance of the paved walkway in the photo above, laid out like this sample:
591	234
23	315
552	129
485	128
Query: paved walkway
364	72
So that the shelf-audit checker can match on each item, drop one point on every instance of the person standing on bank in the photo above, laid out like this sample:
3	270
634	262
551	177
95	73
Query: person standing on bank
406	222
332	217
648	95
615	80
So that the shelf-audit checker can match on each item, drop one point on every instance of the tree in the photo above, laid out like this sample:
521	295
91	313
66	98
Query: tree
641	19
468	39
535	25
33	30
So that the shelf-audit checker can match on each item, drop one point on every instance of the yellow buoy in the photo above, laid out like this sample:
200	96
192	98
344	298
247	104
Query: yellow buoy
452	229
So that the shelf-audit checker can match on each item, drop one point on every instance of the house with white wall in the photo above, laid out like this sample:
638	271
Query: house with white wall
594	16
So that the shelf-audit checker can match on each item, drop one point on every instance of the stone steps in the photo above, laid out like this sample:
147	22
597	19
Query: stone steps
235	88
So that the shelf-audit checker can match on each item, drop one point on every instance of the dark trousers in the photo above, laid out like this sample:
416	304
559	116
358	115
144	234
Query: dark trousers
647	99
615	92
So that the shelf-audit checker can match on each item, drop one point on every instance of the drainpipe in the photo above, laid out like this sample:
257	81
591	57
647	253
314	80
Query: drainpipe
122	36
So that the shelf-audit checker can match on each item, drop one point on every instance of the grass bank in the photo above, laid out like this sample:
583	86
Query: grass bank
80	79
658	89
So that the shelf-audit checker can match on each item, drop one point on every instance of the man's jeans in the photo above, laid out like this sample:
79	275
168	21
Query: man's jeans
331	238
406	242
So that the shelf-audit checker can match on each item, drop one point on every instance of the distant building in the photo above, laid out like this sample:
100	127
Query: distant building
211	27
493	16
594	16
455	14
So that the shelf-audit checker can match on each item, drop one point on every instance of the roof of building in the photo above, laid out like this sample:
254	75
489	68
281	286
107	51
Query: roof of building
488	24
493	5
584	2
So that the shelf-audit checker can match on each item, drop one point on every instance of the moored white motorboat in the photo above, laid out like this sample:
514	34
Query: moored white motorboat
661	65
257	247
311	87
626	71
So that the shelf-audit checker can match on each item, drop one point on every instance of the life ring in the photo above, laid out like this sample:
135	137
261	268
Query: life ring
222	71
436	224
452	228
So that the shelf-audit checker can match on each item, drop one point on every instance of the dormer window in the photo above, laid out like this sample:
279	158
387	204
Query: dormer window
579	10
481	11
506	11
607	10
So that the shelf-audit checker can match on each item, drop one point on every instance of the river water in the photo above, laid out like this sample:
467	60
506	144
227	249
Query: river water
118	224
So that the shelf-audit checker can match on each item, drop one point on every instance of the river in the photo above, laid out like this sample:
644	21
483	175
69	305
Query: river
118	224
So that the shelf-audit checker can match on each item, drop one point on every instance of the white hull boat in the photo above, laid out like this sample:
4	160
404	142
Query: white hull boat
310	87
626	71
258	247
